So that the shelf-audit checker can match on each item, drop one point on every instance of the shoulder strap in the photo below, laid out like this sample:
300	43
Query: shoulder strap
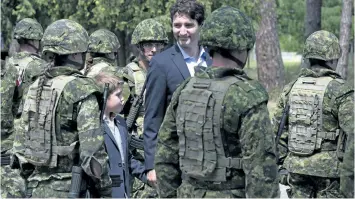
58	84
95	69
133	66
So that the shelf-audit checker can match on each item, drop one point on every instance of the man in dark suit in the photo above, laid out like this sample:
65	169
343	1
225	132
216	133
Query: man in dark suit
169	69
121	161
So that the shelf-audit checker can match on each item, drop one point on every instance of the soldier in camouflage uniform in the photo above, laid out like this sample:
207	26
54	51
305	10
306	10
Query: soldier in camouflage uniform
216	139
60	124
103	49
20	71
319	119
27	35
150	38
12	183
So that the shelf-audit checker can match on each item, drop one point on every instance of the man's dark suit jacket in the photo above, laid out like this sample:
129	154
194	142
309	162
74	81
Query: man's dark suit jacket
121	172
167	71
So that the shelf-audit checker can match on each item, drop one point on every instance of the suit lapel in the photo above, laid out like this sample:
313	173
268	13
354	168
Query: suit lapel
110	134
180	63
123	136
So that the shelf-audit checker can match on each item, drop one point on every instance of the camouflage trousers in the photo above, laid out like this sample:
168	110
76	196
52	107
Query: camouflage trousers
304	186
52	188
140	189
187	190
13	185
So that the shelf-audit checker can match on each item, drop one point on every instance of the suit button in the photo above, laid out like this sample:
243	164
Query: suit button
120	164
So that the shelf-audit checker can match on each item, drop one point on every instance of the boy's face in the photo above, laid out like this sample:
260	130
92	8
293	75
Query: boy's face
115	101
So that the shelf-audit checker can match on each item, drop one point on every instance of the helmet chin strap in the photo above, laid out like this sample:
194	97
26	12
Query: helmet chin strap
34	47
228	55
76	64
142	56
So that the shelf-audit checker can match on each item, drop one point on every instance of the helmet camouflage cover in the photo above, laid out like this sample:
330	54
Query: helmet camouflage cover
65	37
227	28
322	45
28	28
103	41
149	30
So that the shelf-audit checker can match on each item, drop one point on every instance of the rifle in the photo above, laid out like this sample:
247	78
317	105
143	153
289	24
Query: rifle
134	141
105	95
280	129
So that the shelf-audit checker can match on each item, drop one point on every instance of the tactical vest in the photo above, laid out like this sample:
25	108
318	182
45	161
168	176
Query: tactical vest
96	69
21	65
199	123
138	76
41	145
306	132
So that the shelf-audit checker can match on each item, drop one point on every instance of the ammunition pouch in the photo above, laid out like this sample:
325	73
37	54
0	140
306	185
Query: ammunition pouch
116	180
215	186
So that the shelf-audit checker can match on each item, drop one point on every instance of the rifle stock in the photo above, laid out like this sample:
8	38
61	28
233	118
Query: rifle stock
280	129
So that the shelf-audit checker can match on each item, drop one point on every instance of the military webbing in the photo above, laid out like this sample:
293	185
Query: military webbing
138	76
306	115
96	69
21	64
41	144
201	150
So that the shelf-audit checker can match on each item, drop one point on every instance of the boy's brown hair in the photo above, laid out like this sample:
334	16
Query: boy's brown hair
106	78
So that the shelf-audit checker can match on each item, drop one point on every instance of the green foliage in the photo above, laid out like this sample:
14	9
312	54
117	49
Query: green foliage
291	21
124	15
291	24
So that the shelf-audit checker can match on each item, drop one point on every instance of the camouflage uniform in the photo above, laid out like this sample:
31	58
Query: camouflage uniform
216	139
12	184
28	65
148	30
70	134
347	169
320	117
20	72
104	42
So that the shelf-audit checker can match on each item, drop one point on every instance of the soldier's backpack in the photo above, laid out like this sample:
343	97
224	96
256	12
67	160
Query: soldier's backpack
199	124
306	115
41	145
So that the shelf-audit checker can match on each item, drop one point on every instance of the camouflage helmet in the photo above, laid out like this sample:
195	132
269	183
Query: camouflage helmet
65	37
149	30
103	41
227	28
322	45
28	29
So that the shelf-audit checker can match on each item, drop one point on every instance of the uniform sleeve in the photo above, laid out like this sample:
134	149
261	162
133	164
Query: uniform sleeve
346	123
346	110
92	149
136	168
7	89
167	154
155	103
276	120
347	169
258	151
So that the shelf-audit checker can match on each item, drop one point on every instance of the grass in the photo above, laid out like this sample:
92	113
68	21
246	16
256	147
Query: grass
292	70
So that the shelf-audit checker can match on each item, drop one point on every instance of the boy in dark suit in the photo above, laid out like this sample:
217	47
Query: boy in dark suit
121	161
